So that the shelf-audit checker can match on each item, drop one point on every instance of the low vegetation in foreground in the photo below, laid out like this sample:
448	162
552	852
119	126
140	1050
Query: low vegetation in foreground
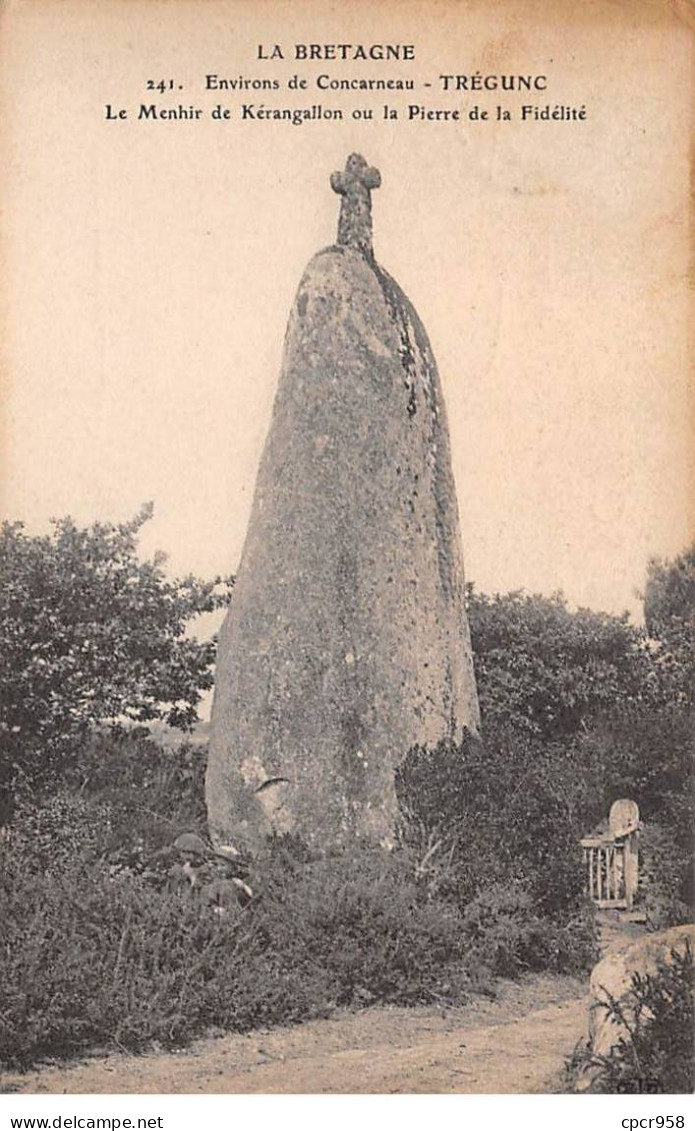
106	945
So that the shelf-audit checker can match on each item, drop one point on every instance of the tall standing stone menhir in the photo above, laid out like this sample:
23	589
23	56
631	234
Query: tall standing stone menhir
346	642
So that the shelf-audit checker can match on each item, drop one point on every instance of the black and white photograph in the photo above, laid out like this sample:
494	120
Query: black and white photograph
347	557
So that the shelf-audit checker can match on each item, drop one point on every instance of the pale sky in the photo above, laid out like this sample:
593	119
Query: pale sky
151	266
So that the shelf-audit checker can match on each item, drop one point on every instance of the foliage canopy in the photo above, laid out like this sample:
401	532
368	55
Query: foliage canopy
669	612
543	669
90	634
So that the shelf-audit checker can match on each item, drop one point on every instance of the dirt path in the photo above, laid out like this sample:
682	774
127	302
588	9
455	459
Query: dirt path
515	1043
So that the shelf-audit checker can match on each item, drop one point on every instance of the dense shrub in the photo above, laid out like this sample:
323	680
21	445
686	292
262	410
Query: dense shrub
664	865
99	947
89	958
515	809
126	798
496	831
646	753
503	814
669	600
612	706
362	917
96	956
545	670
507	934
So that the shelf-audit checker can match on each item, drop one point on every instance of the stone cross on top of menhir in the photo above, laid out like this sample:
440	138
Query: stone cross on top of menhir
355	185
346	642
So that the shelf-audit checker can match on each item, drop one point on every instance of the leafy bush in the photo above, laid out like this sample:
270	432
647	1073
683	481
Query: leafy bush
655	1051
493	830
669	600
363	918
125	799
90	957
93	956
503	814
508	935
582	708
97	948
645	753
89	634
664	866
545	670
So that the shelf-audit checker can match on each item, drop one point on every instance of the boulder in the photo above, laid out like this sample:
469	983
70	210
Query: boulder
612	977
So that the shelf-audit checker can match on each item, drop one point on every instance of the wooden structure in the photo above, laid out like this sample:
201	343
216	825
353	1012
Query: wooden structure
611	858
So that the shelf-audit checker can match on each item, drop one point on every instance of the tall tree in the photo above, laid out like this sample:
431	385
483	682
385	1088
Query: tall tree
669	613
90	634
543	669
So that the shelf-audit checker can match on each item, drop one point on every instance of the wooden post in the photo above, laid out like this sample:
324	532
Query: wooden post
631	868
616	893
599	870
